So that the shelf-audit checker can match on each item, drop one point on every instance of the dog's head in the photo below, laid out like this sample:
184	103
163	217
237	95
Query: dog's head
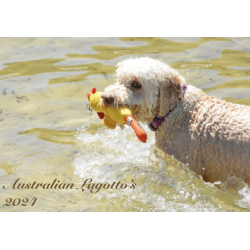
150	84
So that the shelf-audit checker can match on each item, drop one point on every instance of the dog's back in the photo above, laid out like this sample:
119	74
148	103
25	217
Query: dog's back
210	135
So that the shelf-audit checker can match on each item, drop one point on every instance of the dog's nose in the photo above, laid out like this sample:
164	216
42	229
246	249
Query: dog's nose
108	99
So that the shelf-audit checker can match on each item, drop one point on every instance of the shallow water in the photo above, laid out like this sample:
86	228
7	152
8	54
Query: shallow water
47	133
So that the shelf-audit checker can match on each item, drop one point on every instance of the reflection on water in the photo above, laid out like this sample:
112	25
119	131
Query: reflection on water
242	101
154	46
31	68
225	64
9	169
241	83
47	133
52	135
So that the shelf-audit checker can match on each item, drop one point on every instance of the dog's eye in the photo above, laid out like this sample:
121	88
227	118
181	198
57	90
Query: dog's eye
136	85
109	100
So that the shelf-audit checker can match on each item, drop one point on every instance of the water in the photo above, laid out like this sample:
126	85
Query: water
47	133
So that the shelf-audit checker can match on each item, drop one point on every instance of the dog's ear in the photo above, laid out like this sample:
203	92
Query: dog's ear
170	92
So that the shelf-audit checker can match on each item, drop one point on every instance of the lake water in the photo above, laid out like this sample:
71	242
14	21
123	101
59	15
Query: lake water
48	135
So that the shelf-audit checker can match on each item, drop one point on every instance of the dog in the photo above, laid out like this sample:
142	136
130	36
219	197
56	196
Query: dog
209	135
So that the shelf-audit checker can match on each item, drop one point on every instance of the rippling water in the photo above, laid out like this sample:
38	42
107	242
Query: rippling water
47	133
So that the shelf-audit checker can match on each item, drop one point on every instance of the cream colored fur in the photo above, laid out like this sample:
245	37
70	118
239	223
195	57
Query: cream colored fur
209	135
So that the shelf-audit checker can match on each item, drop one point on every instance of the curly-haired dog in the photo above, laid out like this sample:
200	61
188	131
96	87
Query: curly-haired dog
209	135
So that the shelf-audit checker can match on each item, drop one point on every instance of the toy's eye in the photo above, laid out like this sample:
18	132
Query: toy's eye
136	85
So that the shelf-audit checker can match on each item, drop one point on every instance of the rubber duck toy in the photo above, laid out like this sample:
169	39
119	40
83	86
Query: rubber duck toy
110	115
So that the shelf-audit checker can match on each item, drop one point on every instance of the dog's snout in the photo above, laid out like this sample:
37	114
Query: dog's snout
108	99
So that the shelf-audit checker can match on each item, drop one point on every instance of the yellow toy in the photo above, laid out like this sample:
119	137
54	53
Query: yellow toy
111	115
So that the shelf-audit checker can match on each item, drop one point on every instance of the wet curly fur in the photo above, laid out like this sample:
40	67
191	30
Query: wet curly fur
209	135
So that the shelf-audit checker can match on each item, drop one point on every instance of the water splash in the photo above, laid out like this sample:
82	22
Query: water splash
162	184
106	150
245	200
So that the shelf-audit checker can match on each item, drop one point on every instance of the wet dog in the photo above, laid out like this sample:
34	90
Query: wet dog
209	135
